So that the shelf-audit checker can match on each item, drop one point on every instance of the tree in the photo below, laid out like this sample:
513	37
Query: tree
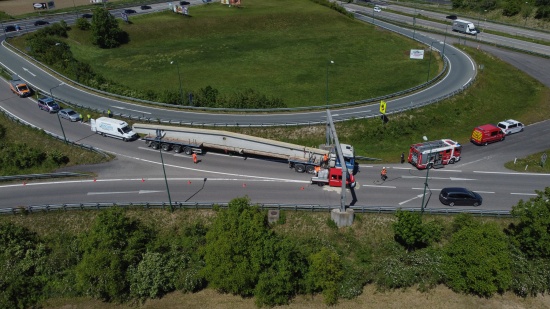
532	233
325	273
477	260
105	30
411	233
113	244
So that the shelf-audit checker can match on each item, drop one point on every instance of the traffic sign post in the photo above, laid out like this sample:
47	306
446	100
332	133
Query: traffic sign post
543	159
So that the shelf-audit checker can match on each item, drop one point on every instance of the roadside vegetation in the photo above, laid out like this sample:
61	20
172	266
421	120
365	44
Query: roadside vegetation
133	256
533	163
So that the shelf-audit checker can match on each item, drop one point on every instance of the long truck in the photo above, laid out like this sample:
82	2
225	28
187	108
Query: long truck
195	140
19	87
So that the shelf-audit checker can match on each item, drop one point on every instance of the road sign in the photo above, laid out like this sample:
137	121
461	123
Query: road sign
383	107
543	159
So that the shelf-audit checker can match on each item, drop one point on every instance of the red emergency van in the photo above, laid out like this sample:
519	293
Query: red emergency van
488	133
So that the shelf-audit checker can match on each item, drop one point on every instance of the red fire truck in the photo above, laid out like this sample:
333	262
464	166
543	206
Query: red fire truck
434	153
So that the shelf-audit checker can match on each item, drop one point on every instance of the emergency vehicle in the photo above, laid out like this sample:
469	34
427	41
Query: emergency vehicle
434	153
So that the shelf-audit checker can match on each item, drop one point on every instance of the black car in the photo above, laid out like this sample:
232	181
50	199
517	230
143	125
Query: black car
129	11
87	15
459	197
41	23
184	3
10	29
145	7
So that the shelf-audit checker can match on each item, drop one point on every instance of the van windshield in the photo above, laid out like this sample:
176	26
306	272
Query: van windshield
126	129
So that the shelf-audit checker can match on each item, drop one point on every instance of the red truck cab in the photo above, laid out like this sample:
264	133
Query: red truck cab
333	177
486	134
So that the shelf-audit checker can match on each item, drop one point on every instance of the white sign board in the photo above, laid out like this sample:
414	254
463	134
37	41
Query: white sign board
417	54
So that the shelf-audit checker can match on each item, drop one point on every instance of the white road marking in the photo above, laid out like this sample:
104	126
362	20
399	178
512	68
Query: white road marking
530	194
25	69
512	173
414	198
124	192
377	186
133	110
441	178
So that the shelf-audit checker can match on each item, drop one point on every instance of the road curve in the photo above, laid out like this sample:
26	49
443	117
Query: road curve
461	72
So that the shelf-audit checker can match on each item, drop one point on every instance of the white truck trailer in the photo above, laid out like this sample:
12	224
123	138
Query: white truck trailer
464	26
189	140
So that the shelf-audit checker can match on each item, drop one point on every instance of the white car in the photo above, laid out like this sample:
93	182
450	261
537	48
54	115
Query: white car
377	9
510	126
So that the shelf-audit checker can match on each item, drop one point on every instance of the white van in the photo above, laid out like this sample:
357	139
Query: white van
510	126
113	127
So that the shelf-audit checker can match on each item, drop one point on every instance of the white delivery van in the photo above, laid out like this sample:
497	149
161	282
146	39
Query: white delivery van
113	127
465	26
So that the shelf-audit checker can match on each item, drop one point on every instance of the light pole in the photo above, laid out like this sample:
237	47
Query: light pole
59	119
414	20
427	173
329	62
444	43
526	14
159	136
179	76
430	62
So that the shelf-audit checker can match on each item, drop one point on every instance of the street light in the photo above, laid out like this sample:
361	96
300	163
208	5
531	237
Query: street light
430	62
159	137
526	14
427	173
179	76
59	119
329	62
444	43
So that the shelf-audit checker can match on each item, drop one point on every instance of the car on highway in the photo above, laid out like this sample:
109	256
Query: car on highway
184	3
130	11
11	28
459	197
86	15
510	126
377	9
48	104
41	23
145	7
69	114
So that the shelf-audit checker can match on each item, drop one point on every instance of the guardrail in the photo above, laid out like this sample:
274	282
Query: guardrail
293	207
61	138
41	176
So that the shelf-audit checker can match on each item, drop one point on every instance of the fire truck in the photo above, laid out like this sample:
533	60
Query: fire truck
434	154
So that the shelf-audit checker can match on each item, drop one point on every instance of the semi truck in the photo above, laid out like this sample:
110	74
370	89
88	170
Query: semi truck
19	87
194	140
464	26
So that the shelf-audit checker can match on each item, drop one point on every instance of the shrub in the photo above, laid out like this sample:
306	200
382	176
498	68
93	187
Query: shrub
477	261
529	277
411	233
83	24
325	274
151	278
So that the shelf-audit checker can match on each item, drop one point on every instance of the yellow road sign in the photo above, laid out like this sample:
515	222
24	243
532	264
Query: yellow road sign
383	107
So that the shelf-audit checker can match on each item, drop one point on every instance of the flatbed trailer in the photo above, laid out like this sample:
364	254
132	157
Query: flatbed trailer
177	145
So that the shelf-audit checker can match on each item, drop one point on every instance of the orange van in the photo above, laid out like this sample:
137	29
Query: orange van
486	134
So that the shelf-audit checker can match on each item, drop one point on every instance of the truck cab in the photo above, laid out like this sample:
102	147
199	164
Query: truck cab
333	177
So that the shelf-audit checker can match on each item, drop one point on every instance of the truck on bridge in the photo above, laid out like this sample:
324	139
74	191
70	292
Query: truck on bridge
19	87
195	140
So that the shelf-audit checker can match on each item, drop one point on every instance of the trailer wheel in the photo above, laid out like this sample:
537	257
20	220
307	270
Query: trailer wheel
155	145
165	147
177	149
310	169
148	143
300	168
188	151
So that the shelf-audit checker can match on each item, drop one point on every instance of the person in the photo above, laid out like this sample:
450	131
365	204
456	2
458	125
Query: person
81	118
402	157
317	169
194	158
89	117
325	158
384	174
109	113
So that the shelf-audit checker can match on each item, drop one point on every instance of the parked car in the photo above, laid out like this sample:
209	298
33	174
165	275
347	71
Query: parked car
459	197
69	114
10	28
145	7
129	11
87	15
510	126
41	23
377	9
48	104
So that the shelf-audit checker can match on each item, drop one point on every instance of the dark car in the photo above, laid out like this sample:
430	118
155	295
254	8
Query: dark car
10	28
41	23
48	104
87	15
452	17
145	7
129	11
459	197
184	3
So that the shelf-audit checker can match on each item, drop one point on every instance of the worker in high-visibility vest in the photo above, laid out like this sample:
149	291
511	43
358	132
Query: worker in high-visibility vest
384	174
194	158
317	169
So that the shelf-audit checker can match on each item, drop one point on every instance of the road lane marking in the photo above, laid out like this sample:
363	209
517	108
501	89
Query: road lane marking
379	186
531	194
512	173
124	192
440	178
25	69
133	110
414	198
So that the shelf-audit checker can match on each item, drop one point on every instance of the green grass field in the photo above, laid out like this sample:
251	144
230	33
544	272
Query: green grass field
281	49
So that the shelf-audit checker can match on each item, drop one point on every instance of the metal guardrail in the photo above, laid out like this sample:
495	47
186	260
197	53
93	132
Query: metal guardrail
21	121
293	207
41	176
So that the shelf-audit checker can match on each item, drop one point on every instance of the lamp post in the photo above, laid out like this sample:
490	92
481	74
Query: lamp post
427	173
414	20
526	14
159	136
329	62
59	119
444	42
179	76
430	62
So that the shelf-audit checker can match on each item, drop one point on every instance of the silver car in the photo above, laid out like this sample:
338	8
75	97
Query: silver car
69	114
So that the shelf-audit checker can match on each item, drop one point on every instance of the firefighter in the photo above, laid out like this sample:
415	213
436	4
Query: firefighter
384	174
317	169
195	158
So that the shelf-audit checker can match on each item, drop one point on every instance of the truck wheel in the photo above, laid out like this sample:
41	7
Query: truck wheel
148	143
452	161
188	151
320	184
310	169
177	149
165	147
300	168
155	145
